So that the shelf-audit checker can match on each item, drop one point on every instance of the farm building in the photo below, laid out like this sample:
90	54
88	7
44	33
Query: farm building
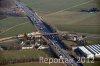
84	52
95	49
89	51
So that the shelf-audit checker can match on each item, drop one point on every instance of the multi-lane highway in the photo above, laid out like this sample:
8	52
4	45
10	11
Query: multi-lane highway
54	41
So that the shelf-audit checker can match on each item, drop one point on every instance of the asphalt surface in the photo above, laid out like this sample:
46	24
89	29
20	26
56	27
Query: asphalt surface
55	42
8	39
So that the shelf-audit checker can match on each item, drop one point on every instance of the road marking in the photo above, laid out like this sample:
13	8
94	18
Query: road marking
69	8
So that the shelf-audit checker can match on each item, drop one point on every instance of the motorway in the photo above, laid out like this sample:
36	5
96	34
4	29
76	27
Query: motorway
54	41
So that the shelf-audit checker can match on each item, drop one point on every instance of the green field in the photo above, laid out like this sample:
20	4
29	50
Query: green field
15	25
43	64
33	64
93	40
92	64
20	54
12	21
20	29
49	6
75	21
64	14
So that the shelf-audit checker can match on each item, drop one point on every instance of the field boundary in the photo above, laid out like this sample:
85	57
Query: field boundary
13	27
48	15
69	8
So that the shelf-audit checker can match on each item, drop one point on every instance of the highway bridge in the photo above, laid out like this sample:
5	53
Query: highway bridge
54	41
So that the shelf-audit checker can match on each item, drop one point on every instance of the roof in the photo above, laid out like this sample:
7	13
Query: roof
94	48
85	50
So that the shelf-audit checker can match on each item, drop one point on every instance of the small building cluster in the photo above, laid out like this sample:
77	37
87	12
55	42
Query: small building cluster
90	51
31	40
79	39
1	48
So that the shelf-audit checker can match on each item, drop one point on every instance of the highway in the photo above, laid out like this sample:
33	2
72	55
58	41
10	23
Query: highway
54	41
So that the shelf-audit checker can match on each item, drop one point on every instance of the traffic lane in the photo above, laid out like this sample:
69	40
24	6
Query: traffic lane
45	30
61	51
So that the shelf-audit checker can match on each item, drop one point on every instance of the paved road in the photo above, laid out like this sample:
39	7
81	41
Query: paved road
55	43
7	39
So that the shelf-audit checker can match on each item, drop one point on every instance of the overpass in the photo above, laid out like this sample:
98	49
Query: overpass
54	41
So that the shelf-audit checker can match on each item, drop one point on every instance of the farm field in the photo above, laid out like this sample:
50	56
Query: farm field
12	26
42	64
20	54
33	63
63	16
88	24
92	64
75	21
